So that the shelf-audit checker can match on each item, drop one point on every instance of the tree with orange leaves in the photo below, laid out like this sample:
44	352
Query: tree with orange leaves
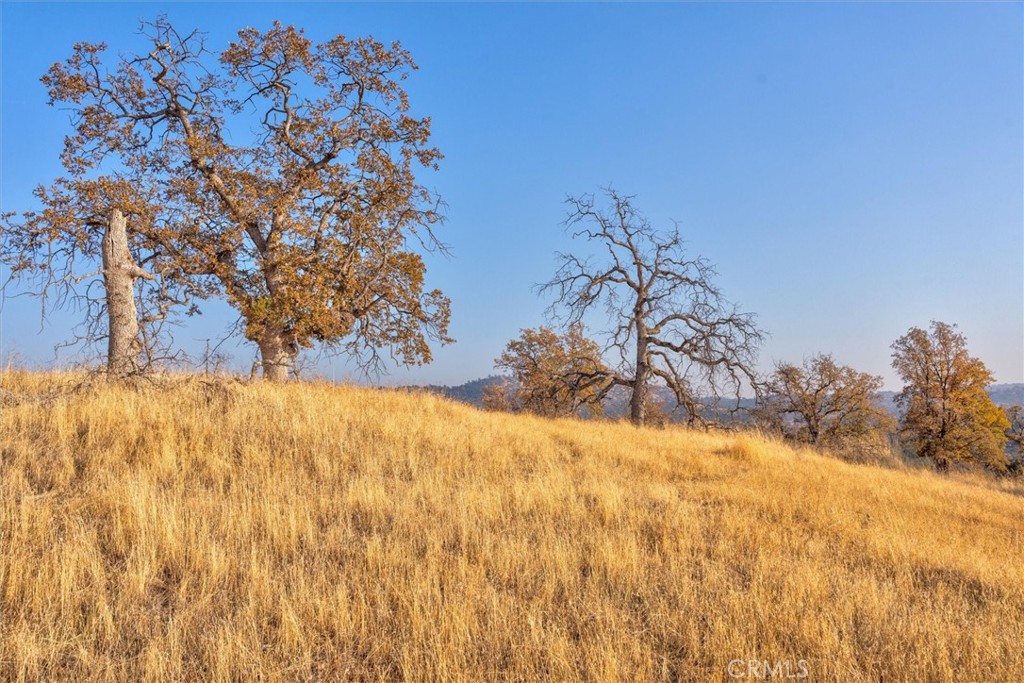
946	414
822	402
282	173
555	375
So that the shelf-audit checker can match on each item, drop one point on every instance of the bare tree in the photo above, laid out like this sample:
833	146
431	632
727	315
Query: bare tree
828	402
669	321
290	167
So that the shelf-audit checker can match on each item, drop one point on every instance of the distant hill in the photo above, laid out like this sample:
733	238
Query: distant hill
470	392
1007	394
618	404
1001	395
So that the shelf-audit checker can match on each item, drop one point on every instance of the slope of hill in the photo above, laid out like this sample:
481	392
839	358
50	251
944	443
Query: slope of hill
194	531
1007	394
471	392
1001	394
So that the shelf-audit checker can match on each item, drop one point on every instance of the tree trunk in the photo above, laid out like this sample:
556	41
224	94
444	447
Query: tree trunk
638	400
812	431
119	275
277	356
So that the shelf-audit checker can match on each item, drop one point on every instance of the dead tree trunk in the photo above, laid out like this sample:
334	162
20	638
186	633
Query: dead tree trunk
638	399
638	403
119	275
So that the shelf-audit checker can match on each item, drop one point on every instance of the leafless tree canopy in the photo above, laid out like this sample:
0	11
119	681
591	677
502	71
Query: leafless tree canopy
669	322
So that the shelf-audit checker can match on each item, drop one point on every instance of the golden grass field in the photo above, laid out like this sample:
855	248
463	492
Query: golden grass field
187	531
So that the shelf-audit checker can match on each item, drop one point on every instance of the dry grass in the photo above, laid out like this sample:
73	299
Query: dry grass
307	532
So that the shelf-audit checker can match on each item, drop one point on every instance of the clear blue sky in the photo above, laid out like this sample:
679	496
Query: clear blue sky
852	169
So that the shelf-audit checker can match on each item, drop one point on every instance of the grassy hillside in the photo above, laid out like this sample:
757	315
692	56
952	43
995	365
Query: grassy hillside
313	533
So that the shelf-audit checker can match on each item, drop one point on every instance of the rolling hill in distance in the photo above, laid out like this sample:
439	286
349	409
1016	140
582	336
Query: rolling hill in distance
472	392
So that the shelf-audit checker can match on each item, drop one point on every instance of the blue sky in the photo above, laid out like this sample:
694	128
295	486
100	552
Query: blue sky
852	169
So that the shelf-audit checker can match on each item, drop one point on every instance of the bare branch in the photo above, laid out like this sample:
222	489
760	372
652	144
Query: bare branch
669	322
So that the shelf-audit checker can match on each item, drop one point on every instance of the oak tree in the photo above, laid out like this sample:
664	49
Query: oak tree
822	402
293	163
546	367
670	323
946	414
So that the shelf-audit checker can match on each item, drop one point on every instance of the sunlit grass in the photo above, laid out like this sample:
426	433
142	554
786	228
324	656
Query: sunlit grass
192	531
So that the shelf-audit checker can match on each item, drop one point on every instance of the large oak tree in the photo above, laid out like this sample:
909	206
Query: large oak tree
87	248
286	169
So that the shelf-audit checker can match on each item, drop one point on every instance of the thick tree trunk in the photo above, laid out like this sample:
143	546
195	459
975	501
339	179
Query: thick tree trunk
119	275
638	402
277	353
277	356
813	431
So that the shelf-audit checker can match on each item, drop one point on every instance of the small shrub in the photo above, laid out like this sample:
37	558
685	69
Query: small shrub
871	448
